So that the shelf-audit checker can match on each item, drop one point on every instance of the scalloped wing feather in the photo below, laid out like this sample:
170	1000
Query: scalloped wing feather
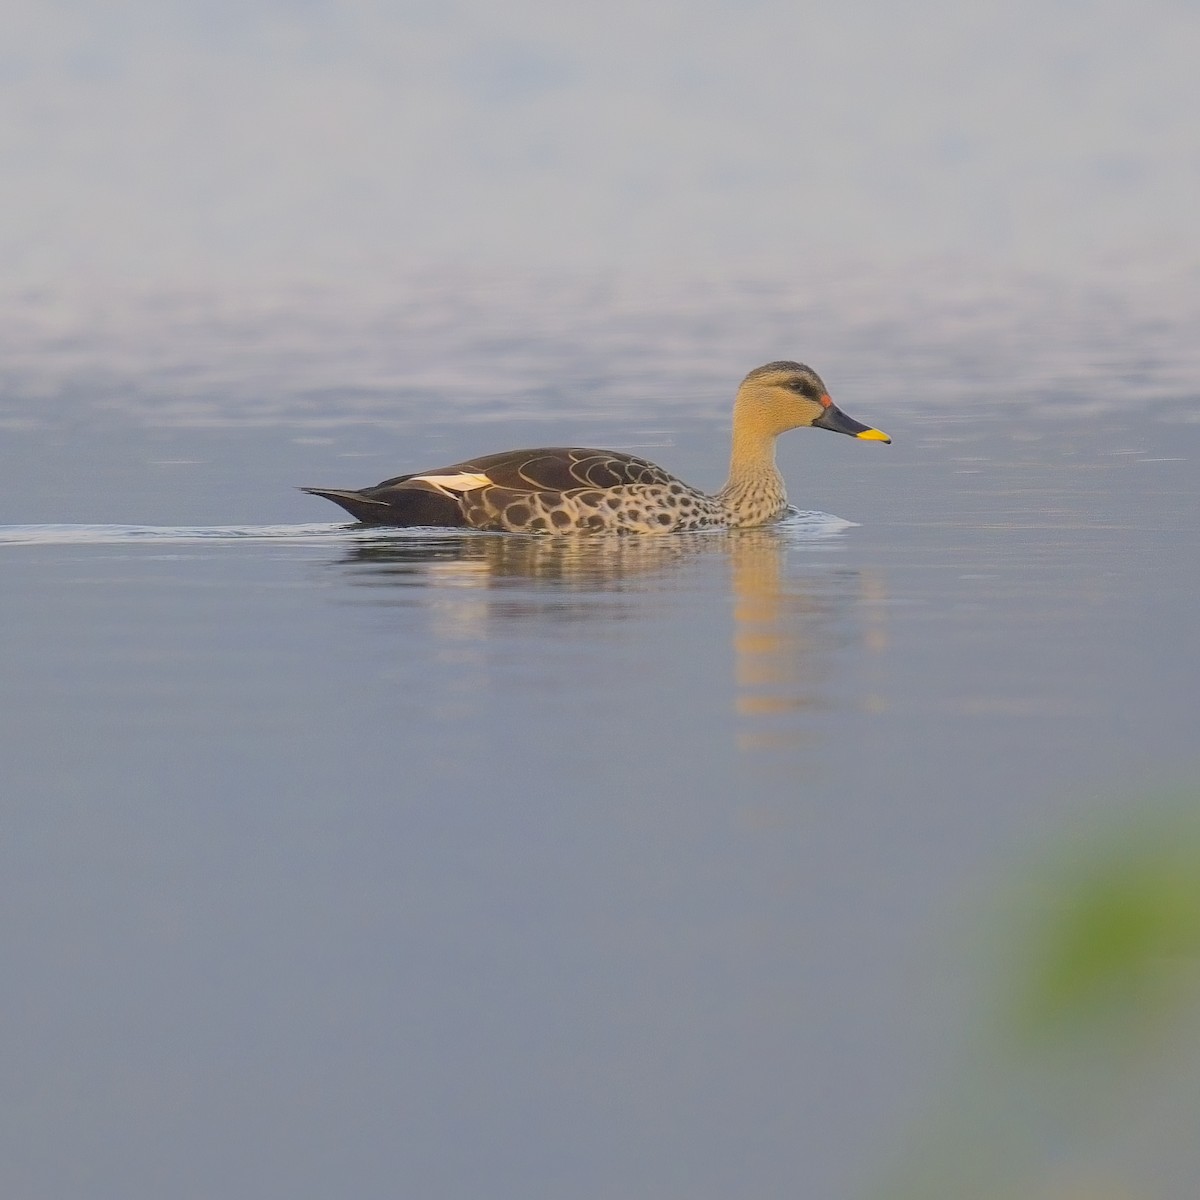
546	469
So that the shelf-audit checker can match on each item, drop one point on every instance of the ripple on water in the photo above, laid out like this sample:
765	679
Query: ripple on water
105	535
808	524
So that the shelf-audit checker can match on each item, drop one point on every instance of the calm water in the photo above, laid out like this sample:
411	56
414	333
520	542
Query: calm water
378	864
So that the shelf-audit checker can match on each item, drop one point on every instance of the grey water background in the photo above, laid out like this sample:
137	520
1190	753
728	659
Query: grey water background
388	864
403	863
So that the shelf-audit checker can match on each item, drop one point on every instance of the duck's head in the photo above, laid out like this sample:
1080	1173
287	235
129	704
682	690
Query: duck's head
786	395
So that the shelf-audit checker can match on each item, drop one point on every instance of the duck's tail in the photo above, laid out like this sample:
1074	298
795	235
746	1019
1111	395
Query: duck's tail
404	506
360	507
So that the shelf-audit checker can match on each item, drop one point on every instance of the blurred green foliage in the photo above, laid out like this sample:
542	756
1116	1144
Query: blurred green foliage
1119	940
1080	1077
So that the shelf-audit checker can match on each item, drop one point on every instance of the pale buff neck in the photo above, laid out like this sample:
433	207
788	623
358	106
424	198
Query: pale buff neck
752	467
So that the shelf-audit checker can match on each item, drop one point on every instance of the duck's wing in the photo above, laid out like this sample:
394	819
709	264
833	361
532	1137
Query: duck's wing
545	469
478	490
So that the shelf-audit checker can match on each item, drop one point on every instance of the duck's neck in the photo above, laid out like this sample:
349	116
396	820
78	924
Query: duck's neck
754	493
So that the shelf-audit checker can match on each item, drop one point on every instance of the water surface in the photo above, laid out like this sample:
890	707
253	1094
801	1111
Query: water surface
442	864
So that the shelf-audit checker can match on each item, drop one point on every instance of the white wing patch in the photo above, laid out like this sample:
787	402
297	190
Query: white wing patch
463	482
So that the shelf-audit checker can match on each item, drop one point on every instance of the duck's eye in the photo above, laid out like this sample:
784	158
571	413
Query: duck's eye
802	387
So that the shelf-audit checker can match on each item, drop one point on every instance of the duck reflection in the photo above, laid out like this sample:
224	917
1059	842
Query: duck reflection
790	626
484	578
494	559
790	636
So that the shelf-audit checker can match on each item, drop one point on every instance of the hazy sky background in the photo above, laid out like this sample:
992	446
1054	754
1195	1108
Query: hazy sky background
178	139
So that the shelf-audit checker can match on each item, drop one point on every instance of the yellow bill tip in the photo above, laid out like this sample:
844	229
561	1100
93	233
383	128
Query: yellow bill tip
873	435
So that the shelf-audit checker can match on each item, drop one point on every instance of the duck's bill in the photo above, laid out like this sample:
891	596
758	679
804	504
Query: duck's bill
834	419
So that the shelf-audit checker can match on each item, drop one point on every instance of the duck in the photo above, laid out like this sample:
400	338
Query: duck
576	490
